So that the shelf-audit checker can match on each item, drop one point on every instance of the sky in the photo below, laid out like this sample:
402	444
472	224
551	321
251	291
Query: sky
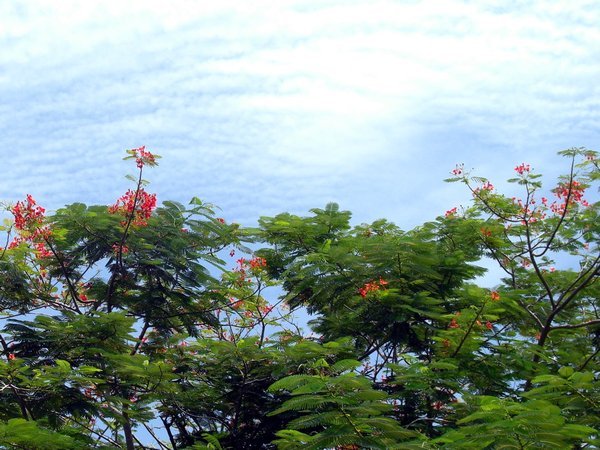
269	106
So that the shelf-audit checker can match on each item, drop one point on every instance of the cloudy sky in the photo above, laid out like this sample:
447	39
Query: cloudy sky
268	106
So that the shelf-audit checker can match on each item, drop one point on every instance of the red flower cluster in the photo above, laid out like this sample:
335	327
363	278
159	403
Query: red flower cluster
118	248
257	262
573	191
530	214
495	296
29	217
450	212
143	156
576	189
254	265
236	304
139	206
487	186
27	214
522	168
266	309
372	287
458	170
41	250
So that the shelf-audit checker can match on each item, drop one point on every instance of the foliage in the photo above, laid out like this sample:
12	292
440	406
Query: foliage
143	326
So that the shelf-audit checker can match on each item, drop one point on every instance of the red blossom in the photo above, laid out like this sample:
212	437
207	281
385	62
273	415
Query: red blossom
266	309
143	156
572	191
522	168
41	250
236	304
489	325
27	213
15	242
139	207
458	170
372	287
451	212
495	296
485	232
118	248
29	217
257	262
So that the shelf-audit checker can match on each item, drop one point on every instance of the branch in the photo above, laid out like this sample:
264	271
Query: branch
576	325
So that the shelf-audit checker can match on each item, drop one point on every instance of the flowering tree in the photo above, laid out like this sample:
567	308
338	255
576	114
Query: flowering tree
145	326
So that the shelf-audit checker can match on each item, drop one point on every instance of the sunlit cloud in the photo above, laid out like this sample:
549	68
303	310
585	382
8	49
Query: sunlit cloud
267	106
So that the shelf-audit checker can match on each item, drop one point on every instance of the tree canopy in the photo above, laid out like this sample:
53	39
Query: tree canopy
138	326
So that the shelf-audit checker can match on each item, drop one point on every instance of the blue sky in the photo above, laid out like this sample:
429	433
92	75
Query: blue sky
269	106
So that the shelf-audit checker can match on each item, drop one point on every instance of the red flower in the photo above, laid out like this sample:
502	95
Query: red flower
485	232
487	186
573	190
489	325
27	214
451	212
118	248
522	168
458	170
258	262
143	157
495	296
266	309
372	287
139	207
41	250
11	356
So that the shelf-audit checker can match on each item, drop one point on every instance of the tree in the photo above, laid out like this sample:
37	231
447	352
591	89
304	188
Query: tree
127	326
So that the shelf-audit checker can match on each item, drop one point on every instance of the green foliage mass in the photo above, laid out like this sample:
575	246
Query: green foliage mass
142	327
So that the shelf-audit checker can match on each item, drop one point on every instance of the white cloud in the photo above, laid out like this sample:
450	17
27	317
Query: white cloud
271	105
